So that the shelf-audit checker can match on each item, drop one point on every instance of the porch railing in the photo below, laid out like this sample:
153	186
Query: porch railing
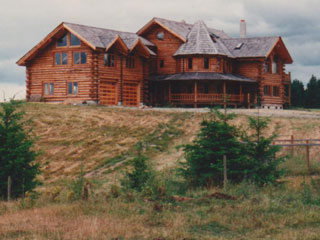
207	98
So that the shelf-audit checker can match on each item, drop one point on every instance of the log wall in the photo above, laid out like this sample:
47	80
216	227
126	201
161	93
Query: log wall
165	49
44	70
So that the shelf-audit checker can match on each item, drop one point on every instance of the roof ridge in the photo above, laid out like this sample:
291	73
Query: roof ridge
99	28
248	38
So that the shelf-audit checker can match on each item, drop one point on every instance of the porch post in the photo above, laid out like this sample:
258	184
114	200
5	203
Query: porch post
195	94
169	92
224	95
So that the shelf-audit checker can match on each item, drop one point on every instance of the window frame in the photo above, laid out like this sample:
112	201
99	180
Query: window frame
48	88
61	58
109	60
130	62
275	91
74	85
190	63
72	45
206	63
161	63
267	90
80	57
67	41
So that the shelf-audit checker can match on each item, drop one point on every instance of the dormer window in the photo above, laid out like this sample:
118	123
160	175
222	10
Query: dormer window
160	35
62	42
266	66
74	40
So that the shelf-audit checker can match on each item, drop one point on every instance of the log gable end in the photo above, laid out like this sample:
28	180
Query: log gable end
166	62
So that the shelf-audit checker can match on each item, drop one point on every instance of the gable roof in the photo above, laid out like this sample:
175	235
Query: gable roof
179	29
92	36
201	41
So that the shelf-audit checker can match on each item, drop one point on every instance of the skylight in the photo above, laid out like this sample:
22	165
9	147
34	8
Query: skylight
239	46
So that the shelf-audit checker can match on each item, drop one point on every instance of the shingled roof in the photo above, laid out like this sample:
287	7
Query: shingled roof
182	28
101	37
208	76
201	41
251	47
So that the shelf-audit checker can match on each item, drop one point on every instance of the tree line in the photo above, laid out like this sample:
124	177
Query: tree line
308	97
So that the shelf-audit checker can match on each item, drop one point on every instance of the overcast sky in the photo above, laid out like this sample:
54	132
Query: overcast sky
23	23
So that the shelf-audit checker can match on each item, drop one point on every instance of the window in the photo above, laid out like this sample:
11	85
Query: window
275	65
73	88
48	88
61	58
109	60
189	63
62	42
74	40
267	90
266	67
160	35
206	63
83	57
205	88
161	63
76	58
276	91
130	62
80	57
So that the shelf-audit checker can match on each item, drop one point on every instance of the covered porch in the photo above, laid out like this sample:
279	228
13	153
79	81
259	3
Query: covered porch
233	91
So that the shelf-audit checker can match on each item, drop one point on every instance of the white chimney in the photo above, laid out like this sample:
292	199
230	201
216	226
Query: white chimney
243	29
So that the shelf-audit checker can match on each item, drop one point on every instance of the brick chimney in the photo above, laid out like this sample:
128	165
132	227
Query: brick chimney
243	29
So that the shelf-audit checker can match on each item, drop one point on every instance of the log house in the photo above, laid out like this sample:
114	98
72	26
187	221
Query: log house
165	62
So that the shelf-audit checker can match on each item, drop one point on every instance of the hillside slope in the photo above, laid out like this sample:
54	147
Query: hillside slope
102	139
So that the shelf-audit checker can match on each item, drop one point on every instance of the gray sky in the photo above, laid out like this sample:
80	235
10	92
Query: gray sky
26	22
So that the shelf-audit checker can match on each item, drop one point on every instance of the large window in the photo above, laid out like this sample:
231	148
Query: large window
74	40
130	62
276	91
206	63
48	88
189	63
73	88
267	90
109	60
61	58
62	42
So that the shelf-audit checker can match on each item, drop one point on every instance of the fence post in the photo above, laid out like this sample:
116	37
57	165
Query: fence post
9	188
308	156
292	147
225	177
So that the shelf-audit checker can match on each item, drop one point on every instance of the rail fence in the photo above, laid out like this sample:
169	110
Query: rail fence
292	143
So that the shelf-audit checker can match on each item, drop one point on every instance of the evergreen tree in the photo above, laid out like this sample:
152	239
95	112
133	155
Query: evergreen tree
17	159
261	154
312	93
140	174
204	157
297	94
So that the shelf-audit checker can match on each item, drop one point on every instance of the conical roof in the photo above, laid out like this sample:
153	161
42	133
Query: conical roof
201	41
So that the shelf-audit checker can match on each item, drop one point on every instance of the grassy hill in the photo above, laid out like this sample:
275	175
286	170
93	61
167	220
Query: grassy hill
100	141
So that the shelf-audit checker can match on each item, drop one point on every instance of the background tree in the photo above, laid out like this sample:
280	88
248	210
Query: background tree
17	158
297	94
313	93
